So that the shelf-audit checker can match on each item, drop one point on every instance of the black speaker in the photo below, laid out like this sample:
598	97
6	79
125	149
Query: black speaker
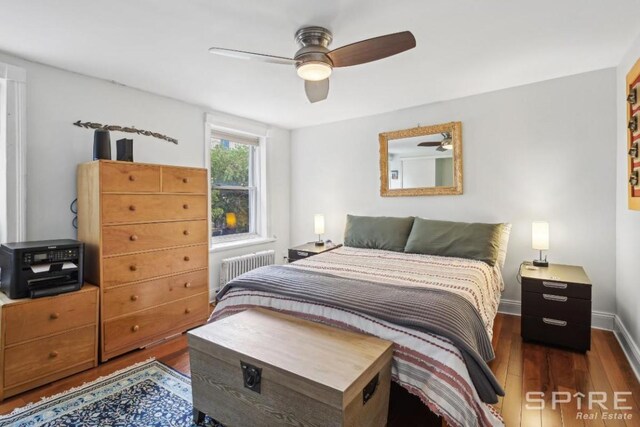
124	150
101	145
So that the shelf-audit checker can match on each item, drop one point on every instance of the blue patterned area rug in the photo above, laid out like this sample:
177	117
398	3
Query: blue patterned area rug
144	395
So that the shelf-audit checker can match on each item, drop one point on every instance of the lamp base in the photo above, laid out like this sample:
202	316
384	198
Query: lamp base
540	263
320	243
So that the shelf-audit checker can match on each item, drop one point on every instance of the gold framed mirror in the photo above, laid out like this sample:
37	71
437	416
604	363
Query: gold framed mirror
421	161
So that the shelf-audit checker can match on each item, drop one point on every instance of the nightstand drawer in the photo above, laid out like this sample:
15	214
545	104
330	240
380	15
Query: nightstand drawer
556	288
563	333
556	306
295	255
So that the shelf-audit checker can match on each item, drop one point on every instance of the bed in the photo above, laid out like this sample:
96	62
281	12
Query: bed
382	292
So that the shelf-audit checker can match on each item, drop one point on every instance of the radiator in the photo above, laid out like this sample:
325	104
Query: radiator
233	267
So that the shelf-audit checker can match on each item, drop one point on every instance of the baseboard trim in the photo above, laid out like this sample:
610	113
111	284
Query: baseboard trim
599	319
628	346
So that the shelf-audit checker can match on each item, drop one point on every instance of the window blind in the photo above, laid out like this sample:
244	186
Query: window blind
241	139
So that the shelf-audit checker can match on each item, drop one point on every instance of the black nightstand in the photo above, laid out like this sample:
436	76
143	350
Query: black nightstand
556	306
309	249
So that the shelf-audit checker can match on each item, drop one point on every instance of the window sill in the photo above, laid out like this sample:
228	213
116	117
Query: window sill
235	244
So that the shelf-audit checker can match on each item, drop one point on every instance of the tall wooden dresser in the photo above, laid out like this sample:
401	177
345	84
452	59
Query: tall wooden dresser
145	231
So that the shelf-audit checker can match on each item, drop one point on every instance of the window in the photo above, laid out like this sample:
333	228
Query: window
235	176
13	159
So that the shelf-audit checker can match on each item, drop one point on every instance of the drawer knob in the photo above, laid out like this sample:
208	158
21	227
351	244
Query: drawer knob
186	232
185	180
132	178
133	268
133	237
187	310
132	208
53	354
186	258
135	328
54	316
187	285
185	206
134	297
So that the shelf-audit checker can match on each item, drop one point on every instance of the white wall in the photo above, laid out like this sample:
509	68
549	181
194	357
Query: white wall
539	152
627	221
57	98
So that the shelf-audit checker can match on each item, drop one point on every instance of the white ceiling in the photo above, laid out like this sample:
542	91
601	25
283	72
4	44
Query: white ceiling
464	47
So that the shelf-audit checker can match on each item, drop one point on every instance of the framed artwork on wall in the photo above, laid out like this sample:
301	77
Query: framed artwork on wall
633	136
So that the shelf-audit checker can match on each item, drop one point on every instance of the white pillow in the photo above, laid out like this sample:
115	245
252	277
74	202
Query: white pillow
504	242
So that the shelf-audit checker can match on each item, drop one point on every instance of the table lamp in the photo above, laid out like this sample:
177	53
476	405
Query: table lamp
540	241
318	226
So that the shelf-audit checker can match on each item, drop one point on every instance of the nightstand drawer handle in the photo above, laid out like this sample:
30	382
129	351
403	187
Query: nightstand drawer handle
554	322
554	285
557	298
302	253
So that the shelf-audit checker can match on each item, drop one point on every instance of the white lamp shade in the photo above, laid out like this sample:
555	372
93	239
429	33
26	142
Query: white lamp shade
318	223
540	235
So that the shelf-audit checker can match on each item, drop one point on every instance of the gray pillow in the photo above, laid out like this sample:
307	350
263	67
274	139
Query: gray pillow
456	239
377	232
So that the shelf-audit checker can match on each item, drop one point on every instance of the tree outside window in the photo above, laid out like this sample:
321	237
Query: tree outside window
233	190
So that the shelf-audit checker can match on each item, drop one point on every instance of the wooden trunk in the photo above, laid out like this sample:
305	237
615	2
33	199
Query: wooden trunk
309	374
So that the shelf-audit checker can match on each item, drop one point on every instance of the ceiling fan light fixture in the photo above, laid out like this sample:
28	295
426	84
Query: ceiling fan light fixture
447	146
314	71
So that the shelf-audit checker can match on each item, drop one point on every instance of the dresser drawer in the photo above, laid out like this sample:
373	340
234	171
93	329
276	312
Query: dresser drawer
184	180
557	288
129	177
143	327
133	268
140	296
562	333
29	361
127	208
556	306
39	318
123	239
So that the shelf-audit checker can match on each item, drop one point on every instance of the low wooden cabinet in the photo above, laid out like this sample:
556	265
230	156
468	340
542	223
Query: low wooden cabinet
46	339
146	236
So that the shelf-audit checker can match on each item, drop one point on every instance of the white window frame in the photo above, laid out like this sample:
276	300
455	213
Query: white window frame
237	126
13	147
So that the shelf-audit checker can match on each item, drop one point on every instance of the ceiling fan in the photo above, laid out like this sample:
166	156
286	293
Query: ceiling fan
314	61
443	145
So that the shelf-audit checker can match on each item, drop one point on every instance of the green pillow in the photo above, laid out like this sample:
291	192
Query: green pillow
455	239
377	232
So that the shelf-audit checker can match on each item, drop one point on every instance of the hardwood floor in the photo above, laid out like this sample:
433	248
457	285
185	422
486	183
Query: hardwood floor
520	367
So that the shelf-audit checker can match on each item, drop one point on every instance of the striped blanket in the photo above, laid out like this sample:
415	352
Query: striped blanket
426	364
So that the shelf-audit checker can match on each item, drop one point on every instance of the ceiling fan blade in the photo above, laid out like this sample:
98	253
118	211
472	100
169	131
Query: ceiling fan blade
241	54
316	90
372	49
429	144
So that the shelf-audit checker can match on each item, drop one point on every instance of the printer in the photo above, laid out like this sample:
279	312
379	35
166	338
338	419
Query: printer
39	269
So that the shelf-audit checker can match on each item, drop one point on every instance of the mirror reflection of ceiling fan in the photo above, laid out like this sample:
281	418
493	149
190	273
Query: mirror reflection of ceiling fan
443	145
314	62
